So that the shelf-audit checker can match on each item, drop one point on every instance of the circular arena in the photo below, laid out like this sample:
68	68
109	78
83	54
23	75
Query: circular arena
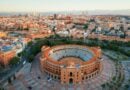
71	64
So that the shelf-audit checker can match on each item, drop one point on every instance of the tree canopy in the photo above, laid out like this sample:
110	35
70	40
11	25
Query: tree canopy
14	60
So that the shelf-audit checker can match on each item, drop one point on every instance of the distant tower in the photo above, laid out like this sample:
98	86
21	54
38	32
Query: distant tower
85	13
55	16
124	24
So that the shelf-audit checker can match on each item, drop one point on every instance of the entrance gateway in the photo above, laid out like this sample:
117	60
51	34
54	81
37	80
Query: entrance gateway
70	81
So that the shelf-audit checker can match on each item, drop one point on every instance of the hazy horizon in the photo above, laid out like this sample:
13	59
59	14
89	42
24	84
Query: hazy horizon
62	5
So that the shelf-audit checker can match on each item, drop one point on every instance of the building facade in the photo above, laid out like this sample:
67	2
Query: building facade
5	57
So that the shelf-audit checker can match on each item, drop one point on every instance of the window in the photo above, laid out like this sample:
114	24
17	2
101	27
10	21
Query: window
71	74
55	77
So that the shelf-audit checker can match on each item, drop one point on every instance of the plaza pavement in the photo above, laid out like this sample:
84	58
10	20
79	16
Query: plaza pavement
30	79
126	67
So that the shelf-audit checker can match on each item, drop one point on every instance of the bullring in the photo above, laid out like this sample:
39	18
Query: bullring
71	64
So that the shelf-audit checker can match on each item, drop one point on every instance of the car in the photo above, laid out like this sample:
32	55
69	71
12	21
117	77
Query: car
24	62
49	79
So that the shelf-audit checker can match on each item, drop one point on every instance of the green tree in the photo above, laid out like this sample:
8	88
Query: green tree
14	60
127	86
30	43
103	85
19	54
9	80
54	31
85	26
31	58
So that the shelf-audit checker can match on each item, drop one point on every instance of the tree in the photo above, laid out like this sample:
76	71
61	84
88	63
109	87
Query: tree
9	80
19	54
85	26
30	43
129	80
31	58
122	36
103	85
127	86
69	33
91	20
114	78
14	61
27	29
54	31
1	87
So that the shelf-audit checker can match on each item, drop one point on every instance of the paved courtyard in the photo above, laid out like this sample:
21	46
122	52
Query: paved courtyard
126	67
33	79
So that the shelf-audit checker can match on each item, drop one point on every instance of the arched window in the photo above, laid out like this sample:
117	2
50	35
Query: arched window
71	74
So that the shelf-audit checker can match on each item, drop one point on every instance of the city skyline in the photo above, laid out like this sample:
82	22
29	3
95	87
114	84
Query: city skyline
61	5
64	45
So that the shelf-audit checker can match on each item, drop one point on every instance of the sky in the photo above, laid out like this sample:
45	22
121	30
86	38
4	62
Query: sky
61	5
